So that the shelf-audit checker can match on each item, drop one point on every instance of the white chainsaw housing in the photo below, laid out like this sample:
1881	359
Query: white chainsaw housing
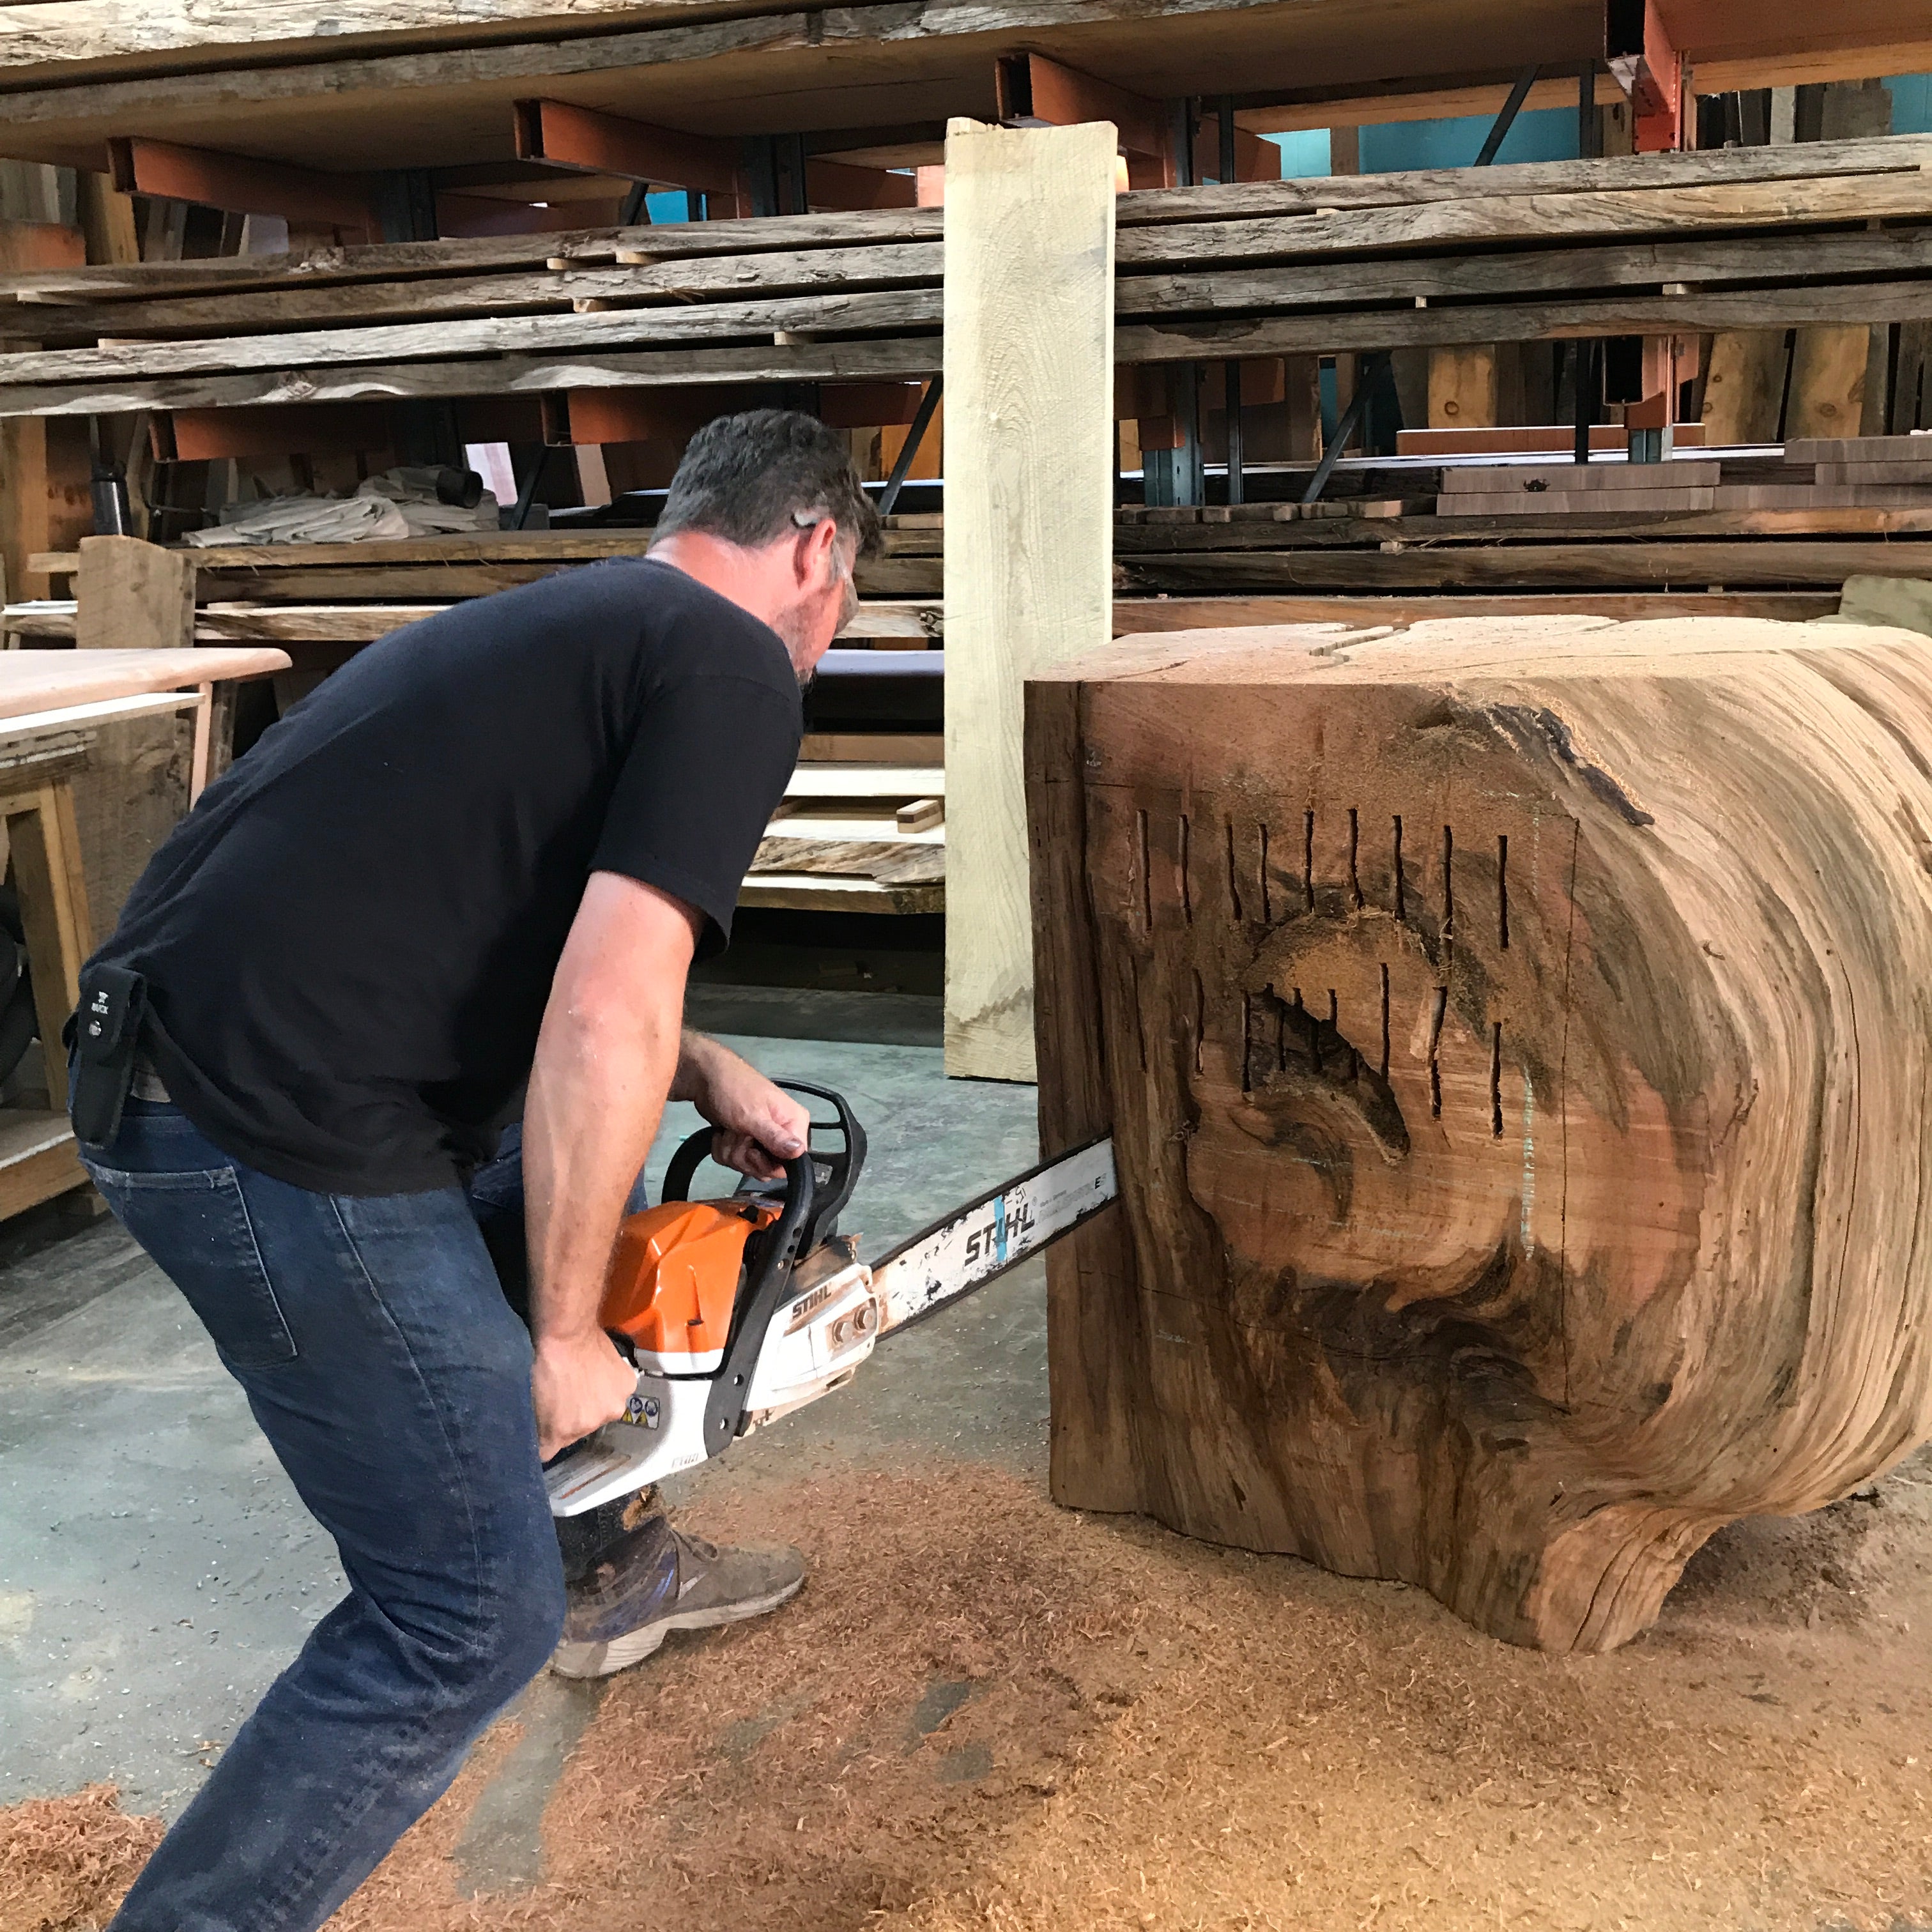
813	1345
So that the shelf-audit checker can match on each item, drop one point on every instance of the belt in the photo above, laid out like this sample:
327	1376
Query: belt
147	1084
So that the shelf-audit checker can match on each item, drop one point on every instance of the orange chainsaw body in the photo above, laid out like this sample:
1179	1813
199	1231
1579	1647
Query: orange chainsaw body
673	1280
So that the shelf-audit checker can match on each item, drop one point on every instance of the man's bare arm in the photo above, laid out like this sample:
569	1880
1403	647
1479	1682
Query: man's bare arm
760	1126
606	1056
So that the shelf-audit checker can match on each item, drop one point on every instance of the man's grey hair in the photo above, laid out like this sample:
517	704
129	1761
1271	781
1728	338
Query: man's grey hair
754	478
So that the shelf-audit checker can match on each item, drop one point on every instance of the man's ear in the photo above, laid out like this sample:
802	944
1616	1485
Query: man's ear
810	561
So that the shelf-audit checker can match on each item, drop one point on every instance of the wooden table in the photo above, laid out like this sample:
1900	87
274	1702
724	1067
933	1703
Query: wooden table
46	698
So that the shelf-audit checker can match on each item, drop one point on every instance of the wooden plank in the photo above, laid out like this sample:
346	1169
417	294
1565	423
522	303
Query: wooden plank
1521	439
1351	535
1828	382
1440	279
856	780
1856	449
1619	479
476	254
1138	614
32	681
1794	563
133	595
777	272
887	862
804	892
1462	386
922	815
1030	466
872	747
38	1160
1699	168
1744	385
796	361
46	856
1906	470
488	335
1557	503
1702	311
1502	217
655	55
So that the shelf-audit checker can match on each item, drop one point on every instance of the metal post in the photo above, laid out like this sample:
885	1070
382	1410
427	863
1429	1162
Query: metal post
1370	368
1187	465
915	436
1584	374
1231	369
1506	120
405	205
1588	128
761	169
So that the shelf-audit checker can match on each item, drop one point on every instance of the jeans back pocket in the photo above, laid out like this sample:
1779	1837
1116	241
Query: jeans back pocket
195	1225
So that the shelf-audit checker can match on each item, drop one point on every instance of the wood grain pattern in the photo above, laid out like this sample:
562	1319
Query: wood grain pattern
32	681
1530	217
507	375
1517	1042
1691	168
489	335
1611	313
776	272
1030	463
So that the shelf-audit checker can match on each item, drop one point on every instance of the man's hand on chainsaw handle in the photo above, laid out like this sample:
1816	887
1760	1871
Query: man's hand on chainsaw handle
760	1126
607	1053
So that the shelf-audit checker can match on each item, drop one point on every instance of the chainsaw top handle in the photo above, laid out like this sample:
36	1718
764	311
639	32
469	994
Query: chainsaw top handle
829	1177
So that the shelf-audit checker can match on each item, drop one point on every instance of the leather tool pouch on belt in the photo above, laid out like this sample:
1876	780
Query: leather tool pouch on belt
104	1035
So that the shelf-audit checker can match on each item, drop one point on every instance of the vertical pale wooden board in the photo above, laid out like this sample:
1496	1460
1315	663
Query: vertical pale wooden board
1462	387
54	913
1828	382
139	781
1029	525
133	595
1743	389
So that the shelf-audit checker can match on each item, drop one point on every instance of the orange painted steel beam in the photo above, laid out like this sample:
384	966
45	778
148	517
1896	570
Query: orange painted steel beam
590	143
241	186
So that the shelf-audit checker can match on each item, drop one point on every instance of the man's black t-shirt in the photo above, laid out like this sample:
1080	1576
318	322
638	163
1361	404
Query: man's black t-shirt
349	941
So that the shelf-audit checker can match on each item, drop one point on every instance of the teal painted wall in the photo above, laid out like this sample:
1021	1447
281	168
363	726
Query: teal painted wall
1911	102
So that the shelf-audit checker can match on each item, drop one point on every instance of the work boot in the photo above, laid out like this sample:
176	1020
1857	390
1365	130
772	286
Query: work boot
657	1579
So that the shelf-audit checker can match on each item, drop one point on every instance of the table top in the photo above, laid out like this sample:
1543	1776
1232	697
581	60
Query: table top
35	681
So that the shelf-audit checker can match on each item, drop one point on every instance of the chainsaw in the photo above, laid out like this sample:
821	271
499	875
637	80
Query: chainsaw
736	1312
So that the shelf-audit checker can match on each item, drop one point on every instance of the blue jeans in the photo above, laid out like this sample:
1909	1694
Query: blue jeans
392	1379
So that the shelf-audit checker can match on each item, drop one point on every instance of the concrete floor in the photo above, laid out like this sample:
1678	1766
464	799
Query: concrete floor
157	1571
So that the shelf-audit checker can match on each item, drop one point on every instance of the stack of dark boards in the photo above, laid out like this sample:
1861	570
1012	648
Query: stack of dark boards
1887	472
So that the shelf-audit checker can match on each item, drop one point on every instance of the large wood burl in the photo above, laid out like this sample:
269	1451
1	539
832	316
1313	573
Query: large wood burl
1514	1035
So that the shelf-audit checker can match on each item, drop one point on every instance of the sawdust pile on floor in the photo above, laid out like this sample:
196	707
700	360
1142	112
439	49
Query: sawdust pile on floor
985	1713
65	1861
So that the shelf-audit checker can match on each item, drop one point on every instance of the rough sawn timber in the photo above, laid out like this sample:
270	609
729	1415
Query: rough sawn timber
1515	1036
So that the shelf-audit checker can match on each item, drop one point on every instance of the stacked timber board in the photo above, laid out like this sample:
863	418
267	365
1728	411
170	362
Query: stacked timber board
1881	473
1683	243
819	298
862	829
1829	232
